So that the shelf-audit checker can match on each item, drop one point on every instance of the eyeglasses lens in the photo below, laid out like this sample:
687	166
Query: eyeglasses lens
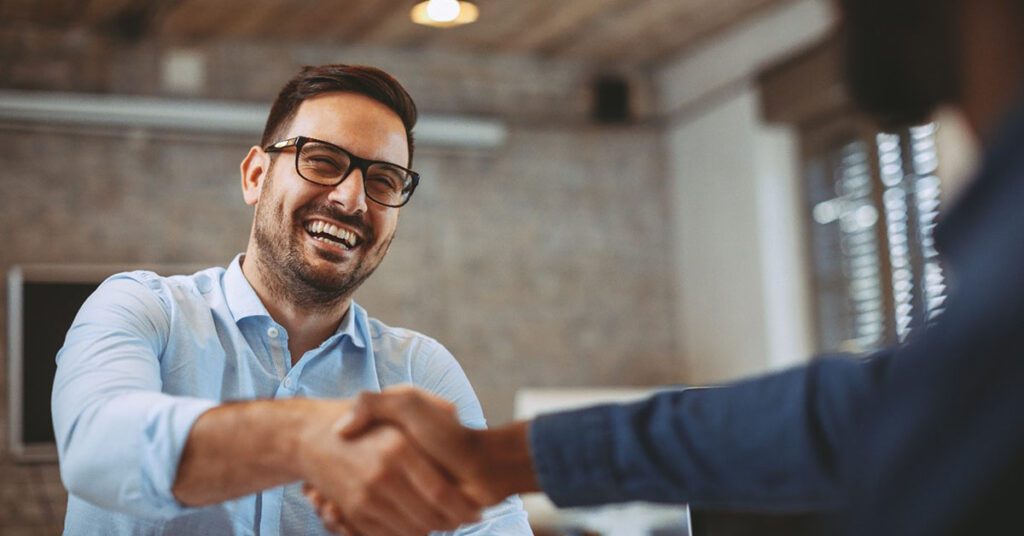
323	164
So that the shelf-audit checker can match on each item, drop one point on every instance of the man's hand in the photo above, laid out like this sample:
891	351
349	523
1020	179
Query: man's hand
328	512
488	464
379	483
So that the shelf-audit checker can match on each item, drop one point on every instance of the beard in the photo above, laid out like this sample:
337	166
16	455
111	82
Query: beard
282	263
901	57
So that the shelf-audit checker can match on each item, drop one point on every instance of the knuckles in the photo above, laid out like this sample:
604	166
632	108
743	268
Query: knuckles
393	446
360	501
365	399
380	476
440	493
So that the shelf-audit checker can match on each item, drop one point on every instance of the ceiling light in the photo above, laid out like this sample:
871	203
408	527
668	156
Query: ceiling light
444	13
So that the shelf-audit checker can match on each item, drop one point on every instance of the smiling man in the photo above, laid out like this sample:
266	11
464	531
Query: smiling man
198	404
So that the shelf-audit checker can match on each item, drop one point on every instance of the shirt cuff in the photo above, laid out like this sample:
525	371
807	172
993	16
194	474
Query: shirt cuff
166	431
573	456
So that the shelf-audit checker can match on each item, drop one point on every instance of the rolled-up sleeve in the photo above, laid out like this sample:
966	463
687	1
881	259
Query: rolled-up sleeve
119	437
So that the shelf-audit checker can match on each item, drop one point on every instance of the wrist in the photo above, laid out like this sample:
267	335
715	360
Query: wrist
507	464
315	434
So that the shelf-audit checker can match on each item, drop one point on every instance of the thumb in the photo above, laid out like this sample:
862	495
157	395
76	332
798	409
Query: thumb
357	419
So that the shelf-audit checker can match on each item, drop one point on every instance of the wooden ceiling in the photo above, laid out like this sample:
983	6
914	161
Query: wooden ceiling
604	31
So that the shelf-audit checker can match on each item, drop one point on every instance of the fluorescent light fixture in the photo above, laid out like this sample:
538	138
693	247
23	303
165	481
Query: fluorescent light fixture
444	13
222	117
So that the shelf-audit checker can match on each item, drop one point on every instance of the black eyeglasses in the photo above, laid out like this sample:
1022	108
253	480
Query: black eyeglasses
326	164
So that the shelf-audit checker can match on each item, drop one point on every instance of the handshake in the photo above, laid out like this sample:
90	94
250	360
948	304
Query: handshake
410	466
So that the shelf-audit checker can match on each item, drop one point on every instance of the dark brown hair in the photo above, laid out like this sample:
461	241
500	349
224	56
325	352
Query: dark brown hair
312	81
902	57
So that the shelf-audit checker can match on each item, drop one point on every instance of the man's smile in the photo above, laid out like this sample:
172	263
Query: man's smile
332	234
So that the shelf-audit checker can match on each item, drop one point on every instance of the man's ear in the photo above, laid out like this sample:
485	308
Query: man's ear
254	169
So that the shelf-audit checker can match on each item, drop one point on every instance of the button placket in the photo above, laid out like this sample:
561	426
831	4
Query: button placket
278	346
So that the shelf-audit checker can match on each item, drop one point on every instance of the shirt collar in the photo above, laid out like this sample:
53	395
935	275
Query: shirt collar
239	294
354	325
243	302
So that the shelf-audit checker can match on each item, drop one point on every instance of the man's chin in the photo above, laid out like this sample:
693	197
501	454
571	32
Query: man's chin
327	279
322	255
325	266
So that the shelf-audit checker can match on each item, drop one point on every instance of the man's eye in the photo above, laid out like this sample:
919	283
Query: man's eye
323	161
384	181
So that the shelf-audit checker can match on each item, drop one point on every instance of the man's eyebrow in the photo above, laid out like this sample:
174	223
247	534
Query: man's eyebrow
337	148
328	144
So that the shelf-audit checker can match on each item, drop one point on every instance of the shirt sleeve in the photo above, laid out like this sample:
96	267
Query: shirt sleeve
767	444
119	437
436	371
440	374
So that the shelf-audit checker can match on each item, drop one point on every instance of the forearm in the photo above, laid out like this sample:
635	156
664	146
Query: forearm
768	443
240	448
507	467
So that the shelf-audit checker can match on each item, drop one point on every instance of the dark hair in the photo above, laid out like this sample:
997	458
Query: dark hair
902	58
360	79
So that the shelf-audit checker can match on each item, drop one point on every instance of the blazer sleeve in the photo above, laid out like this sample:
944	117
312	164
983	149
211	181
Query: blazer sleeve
767	444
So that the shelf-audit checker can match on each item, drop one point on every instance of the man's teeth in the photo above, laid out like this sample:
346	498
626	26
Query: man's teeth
343	235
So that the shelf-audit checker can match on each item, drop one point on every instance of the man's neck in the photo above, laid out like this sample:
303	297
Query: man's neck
306	328
992	64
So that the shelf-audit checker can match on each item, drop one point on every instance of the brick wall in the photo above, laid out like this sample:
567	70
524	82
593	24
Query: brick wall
539	263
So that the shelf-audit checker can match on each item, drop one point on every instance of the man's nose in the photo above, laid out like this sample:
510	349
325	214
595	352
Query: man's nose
350	193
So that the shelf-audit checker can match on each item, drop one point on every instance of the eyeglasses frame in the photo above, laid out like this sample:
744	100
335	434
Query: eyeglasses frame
356	162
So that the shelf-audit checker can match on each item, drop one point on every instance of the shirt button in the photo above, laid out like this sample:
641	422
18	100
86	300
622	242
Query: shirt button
288	383
273	332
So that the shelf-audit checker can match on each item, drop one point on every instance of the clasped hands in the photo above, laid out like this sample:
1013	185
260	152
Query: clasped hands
409	467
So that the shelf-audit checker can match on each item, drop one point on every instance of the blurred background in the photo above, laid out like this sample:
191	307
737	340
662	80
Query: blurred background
615	193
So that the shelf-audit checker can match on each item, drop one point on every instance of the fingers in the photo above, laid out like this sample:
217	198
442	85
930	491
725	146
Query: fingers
415	488
372	513
408	513
431	421
437	496
370	407
356	420
384	484
334	521
406	487
434	426
330	515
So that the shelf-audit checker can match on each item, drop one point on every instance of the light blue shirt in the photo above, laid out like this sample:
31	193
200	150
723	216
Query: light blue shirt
146	355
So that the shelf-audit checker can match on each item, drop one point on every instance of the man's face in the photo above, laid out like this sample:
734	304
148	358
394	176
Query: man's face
297	258
901	61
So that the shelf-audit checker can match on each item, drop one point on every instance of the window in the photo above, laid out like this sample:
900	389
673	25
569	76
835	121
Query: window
872	202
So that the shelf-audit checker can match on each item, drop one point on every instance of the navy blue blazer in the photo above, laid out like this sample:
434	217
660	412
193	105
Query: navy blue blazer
926	438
